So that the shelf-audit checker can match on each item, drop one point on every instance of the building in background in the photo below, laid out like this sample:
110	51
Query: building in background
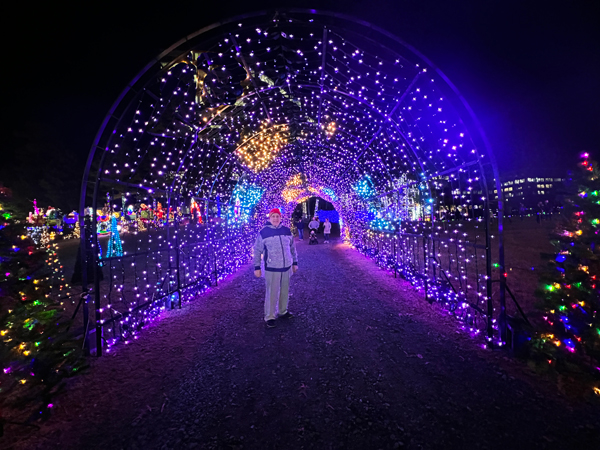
533	194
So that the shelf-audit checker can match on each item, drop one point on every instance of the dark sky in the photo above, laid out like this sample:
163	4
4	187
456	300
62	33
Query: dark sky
530	69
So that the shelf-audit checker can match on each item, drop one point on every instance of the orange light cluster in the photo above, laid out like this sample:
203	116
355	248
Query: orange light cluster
259	149
330	130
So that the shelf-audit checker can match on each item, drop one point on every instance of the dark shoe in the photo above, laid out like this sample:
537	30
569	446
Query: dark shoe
287	315
271	323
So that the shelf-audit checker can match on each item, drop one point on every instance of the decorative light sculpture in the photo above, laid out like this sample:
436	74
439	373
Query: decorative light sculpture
295	104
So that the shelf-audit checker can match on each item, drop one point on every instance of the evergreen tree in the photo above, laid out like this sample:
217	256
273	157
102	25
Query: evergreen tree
37	352
570	289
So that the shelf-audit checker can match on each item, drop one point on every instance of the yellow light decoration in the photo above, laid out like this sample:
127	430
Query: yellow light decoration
330	131
596	390
290	194
259	150
296	180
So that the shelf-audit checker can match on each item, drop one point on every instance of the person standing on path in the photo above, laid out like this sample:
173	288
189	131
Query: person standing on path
300	225
327	230
314	224
276	245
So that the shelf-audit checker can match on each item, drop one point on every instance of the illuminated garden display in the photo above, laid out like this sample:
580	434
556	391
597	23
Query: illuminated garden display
266	111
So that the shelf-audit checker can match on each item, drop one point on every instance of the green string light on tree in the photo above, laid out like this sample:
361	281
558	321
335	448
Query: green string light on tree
37	350
570	289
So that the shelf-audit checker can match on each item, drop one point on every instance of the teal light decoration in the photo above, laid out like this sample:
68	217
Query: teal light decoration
243	200
381	224
364	187
330	193
114	242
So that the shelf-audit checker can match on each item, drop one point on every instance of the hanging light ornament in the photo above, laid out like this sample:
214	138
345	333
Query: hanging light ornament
258	150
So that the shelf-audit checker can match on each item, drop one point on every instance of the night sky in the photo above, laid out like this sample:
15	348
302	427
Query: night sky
529	69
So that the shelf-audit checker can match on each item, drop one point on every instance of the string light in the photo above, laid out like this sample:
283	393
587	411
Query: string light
248	120
570	295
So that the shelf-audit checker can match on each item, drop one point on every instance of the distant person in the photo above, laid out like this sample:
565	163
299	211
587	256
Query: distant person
300	226
548	210
314	224
276	244
540	212
327	230
522	211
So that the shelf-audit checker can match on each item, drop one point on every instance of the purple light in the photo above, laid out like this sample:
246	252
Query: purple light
376	119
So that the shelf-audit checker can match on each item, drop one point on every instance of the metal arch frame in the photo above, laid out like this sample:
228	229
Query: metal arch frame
338	16
353	97
386	117
349	95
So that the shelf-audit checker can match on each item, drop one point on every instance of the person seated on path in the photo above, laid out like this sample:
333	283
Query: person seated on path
300	226
314	224
276	244
327	230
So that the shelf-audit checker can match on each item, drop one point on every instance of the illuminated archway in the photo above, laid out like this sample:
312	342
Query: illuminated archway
264	109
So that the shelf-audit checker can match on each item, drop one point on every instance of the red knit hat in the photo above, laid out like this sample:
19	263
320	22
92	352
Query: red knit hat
275	211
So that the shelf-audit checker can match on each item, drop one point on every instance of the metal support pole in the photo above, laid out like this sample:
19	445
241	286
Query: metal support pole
168	299
96	263
97	288
503	287
86	323
425	262
488	271
433	271
177	263
215	259
395	258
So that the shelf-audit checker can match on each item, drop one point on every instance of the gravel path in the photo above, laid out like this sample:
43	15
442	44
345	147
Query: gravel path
365	363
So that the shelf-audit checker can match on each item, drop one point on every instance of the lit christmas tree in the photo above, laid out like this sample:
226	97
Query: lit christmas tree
114	243
36	349
55	273
570	290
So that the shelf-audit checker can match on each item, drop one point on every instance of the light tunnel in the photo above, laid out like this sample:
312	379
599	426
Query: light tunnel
264	111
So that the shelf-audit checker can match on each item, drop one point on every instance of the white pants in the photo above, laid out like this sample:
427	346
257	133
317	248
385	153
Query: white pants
278	284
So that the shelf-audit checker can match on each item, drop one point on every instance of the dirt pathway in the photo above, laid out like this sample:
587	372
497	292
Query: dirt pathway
365	364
